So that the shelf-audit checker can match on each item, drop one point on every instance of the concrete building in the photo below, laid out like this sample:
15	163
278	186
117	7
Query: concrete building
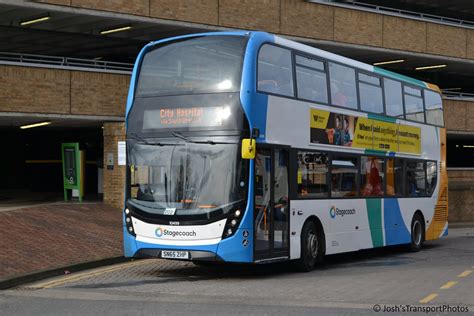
68	62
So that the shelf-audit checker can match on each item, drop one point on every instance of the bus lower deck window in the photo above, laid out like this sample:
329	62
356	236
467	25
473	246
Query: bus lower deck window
312	174
372	174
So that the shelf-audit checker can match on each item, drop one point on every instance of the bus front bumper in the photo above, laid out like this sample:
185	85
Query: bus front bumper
226	250
195	255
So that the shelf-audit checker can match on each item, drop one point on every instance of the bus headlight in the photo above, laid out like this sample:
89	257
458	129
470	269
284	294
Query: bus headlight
232	224
128	222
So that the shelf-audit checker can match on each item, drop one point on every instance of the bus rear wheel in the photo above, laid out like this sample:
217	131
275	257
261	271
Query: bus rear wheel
417	233
311	247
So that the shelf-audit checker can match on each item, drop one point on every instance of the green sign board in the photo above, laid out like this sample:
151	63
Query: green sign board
73	169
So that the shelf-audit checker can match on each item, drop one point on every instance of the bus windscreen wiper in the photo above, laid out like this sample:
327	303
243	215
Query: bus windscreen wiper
207	141
146	141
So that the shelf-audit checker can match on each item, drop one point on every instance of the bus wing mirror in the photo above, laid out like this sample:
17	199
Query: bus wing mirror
249	147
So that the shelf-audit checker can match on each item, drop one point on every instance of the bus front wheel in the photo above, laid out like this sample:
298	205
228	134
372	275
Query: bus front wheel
311	247
417	233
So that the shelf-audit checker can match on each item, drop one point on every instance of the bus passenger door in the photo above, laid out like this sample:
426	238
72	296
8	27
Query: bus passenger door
271	203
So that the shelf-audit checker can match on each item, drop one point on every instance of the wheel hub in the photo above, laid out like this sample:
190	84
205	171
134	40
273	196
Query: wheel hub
312	244
416	233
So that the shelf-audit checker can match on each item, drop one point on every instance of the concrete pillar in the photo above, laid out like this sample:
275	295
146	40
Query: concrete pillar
114	175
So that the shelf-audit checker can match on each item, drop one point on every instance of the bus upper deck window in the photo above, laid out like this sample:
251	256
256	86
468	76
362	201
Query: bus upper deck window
370	94
393	98
433	108
311	79
275	73
413	104
343	86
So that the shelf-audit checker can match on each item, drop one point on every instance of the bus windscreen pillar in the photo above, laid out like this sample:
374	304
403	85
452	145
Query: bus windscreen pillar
73	169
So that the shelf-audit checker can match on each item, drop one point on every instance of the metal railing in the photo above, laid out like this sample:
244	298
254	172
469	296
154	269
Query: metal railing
65	61
458	95
399	12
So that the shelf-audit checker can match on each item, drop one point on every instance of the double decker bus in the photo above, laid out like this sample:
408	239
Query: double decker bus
248	147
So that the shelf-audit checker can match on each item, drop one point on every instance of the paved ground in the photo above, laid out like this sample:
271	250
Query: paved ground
56	235
17	199
351	284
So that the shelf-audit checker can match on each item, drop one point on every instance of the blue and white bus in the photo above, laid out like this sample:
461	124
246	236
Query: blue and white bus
248	147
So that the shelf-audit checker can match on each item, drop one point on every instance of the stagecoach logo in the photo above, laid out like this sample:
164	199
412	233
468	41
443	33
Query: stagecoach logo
334	211
159	232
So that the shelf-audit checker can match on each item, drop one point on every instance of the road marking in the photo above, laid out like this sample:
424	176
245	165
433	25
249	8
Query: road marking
88	274
429	298
465	274
449	285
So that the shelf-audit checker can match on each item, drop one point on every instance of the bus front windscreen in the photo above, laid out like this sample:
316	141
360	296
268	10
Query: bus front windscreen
192	179
204	64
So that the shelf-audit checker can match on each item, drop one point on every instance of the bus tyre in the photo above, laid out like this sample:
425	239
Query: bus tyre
417	233
311	247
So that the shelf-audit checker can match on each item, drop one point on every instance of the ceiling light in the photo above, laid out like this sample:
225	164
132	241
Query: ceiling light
118	29
35	125
389	62
36	20
430	67
468	146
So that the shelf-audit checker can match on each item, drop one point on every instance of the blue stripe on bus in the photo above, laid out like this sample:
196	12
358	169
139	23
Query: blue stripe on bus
259	114
396	232
133	81
254	104
232	248
445	232
129	244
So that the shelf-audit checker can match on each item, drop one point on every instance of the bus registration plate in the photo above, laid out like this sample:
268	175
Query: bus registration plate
174	254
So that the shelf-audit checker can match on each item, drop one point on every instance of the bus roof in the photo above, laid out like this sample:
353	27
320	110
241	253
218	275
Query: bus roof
267	37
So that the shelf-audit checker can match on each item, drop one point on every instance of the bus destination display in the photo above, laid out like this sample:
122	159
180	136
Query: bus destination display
185	117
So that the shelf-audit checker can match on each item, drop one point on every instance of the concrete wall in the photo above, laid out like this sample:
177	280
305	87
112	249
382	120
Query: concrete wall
459	115
42	90
299	18
114	180
461	195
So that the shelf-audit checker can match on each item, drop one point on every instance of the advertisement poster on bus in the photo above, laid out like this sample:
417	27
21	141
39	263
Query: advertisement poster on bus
360	132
